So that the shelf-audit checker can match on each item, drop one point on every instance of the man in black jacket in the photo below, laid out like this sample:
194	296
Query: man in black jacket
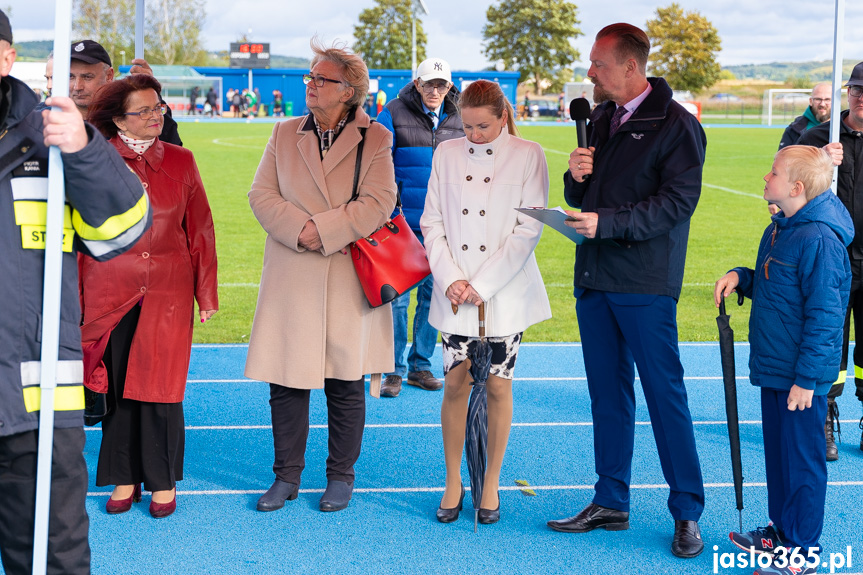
637	184
849	189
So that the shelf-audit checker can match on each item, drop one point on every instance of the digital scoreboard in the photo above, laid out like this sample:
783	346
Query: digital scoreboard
249	55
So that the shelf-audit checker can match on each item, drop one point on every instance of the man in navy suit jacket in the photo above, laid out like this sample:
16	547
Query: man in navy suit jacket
638	183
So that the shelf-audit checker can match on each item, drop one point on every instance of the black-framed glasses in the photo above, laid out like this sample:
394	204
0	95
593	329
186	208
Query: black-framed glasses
148	113
319	81
855	91
429	87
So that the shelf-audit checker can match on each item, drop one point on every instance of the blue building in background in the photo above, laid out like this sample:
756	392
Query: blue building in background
289	81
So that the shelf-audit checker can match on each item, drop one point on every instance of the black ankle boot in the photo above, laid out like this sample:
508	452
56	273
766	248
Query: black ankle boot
830	425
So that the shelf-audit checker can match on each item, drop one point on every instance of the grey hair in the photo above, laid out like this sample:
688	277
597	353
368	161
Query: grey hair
353	69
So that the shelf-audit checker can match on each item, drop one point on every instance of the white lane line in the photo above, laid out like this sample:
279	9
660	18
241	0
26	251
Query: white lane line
437	425
517	379
467	488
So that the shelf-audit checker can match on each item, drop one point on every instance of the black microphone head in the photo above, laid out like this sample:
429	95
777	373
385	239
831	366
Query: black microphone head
579	109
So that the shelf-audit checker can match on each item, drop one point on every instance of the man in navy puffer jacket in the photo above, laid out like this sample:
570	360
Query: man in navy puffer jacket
423	115
799	288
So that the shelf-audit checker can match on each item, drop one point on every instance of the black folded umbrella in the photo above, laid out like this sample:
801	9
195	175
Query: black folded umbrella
476	432
729	380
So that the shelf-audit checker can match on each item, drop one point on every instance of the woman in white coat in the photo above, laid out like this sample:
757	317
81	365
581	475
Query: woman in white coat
481	250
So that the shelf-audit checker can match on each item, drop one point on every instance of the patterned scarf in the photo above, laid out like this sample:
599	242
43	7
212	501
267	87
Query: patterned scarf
137	146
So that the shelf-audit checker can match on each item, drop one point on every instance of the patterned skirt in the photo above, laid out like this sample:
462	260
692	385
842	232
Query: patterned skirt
458	348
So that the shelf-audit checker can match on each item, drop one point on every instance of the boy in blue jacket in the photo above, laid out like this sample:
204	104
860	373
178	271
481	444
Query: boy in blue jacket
799	289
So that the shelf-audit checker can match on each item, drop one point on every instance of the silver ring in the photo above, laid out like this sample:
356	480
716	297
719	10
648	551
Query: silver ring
579	165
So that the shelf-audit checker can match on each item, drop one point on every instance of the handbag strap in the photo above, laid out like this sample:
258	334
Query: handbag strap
355	191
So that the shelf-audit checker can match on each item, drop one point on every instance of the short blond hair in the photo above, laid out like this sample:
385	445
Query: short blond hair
353	69
811	166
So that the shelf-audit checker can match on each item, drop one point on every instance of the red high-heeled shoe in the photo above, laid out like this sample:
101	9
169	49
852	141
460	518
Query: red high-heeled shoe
115	506
159	510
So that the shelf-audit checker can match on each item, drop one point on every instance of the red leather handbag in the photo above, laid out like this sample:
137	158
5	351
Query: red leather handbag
391	261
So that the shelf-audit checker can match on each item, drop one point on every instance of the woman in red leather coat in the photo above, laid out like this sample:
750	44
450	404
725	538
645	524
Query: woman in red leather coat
138	308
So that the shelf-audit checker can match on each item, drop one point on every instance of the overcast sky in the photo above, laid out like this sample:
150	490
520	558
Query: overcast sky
757	31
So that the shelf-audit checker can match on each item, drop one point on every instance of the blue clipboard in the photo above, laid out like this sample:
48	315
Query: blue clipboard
556	218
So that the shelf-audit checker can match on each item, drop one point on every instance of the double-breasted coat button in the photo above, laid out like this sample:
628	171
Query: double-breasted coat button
489	152
470	150
139	158
143	290
482	212
469	178
482	248
464	247
464	211
145	255
487	179
145	184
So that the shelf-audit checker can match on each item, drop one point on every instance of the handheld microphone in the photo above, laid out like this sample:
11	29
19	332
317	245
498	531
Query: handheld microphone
579	110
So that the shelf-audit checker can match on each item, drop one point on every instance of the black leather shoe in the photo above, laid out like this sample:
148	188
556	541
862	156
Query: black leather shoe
450	515
276	495
687	541
337	496
590	518
489	516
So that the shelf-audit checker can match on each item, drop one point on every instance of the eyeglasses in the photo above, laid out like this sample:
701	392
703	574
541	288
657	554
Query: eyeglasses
820	100
430	87
147	113
855	91
319	81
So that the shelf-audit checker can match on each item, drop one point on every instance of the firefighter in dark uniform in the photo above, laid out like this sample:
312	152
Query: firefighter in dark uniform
106	213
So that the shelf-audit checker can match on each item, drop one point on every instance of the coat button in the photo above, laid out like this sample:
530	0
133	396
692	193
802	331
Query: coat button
145	255
489	152
587	274
487	180
139	158
464	211
143	290
482	212
145	184
464	247
470	150
469	178
482	248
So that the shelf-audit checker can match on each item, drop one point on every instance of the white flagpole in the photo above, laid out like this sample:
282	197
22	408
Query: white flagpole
838	55
52	284
139	29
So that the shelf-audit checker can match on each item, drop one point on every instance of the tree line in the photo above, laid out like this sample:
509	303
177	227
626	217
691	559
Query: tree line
532	37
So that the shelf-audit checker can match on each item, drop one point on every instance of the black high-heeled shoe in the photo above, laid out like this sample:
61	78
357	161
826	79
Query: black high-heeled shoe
450	515
489	516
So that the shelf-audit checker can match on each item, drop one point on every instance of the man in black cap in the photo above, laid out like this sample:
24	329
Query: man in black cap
101	192
849	188
91	68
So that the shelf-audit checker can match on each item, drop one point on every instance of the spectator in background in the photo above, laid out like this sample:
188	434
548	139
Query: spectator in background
818	112
380	99
90	69
422	116
278	105
212	101
193	100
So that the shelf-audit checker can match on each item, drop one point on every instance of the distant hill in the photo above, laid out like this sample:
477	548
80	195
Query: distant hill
33	51
816	71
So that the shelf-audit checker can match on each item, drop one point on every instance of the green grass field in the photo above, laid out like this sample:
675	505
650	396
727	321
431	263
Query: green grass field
724	233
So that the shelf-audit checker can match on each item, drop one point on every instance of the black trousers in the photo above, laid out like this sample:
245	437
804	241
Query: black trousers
346	418
141	441
68	549
855	307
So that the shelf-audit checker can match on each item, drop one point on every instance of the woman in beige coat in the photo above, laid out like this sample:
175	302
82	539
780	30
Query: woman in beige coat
313	326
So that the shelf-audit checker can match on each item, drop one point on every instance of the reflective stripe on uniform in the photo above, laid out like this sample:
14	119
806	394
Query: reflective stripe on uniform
98	248
113	226
858	372
31	215
841	379
66	398
69	394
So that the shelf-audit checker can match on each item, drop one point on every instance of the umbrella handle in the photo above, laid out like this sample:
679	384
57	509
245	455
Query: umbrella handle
740	299
482	319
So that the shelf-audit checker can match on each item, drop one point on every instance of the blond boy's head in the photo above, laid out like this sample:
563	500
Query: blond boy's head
808	165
